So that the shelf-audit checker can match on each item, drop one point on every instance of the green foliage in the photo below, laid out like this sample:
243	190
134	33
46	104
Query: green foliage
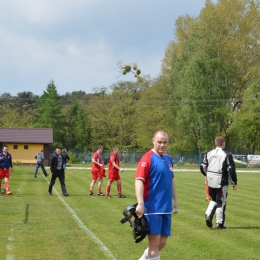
48	113
15	114
73	157
124	69
77	134
210	68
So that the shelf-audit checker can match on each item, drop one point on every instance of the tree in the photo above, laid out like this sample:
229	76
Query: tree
15	114
210	60
246	122
77	128
48	113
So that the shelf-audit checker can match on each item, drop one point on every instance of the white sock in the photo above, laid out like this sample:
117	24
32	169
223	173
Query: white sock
145	255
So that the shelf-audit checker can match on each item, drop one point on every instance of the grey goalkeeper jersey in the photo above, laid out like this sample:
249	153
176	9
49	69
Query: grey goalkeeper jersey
219	167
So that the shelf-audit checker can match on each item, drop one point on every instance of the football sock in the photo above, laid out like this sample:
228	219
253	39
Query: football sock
6	186
119	188
155	258
108	190
99	191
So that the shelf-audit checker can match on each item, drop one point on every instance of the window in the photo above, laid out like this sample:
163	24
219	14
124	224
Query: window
15	146
26	147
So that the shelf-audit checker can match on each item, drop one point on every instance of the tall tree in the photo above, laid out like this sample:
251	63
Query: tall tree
48	113
211	58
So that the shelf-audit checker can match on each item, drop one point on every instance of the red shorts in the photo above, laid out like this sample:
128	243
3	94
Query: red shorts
4	173
113	176
96	175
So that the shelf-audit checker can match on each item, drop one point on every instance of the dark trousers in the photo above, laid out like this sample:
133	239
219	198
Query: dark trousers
58	174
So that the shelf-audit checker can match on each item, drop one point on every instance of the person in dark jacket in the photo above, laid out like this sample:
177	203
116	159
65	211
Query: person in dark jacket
57	171
5	165
65	157
219	168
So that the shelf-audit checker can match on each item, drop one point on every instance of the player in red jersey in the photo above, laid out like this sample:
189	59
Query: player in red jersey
113	173
97	174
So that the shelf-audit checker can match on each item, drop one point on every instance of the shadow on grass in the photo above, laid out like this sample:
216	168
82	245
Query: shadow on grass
26	214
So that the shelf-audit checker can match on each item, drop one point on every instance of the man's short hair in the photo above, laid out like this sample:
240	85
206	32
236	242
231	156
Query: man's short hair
99	147
219	140
161	132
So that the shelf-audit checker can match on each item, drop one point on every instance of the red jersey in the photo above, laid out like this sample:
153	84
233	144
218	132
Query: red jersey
97	158
113	159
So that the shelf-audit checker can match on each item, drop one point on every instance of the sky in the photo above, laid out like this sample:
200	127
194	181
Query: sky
78	43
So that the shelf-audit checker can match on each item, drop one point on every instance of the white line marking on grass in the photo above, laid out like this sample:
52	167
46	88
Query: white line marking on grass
10	247
81	224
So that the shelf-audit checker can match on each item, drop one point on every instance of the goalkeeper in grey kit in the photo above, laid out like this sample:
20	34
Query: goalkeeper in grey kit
219	168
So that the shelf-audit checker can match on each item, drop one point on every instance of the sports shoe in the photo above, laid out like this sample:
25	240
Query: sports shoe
8	192
100	194
220	226
50	193
122	196
109	197
91	194
209	221
66	194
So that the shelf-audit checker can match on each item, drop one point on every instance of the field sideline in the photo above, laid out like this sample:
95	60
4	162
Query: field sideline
37	226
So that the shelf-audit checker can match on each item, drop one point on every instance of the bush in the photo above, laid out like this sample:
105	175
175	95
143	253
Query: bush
73	157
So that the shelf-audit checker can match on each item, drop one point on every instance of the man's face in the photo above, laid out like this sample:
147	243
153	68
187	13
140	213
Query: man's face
160	143
5	149
58	151
116	151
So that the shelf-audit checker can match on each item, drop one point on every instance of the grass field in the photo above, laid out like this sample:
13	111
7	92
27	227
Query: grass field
37	226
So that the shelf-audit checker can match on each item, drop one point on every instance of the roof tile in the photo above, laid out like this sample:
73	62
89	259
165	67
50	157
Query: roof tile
26	135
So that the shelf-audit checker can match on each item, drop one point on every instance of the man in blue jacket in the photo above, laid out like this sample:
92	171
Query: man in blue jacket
5	165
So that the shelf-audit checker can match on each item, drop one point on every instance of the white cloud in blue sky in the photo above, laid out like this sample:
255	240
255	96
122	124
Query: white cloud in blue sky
78	43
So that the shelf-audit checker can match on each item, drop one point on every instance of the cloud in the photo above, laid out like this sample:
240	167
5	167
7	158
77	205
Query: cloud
78	43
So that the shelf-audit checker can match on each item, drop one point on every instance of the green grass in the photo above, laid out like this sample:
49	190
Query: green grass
37	226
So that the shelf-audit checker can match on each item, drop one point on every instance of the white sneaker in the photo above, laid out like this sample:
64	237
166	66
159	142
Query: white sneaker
145	255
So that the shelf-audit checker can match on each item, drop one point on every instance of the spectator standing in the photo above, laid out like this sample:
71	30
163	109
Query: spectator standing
156	194
97	173
5	165
113	173
40	163
219	168
57	172
65	158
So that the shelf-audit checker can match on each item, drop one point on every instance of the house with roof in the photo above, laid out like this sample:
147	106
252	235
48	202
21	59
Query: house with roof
24	143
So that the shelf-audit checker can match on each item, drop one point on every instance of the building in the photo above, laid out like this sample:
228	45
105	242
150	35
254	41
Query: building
24	143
